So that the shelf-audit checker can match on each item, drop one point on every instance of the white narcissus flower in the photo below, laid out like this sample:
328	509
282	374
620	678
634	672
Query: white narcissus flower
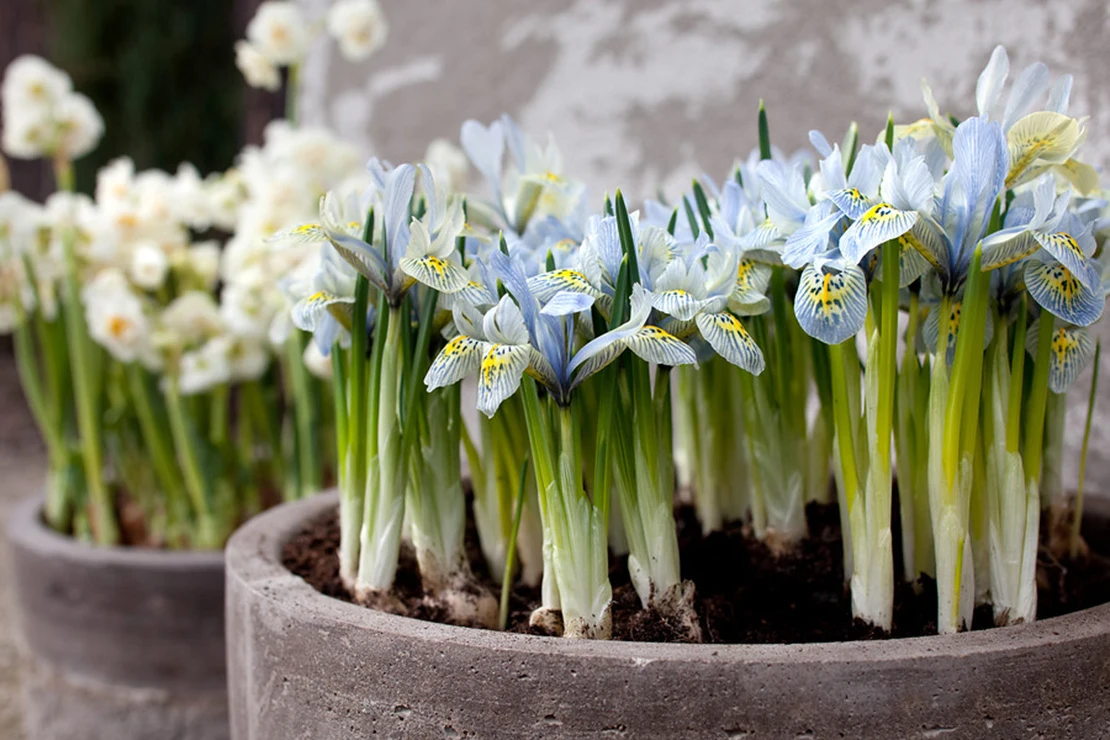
257	69
279	32
448	164
359	26
42	116
248	360
115	316
33	85
206	367
203	261
79	126
149	266
192	317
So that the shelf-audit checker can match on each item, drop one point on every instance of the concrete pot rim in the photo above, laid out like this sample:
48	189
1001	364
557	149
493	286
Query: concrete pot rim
27	530
254	560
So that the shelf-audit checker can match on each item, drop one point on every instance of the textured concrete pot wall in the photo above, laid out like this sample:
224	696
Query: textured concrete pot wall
302	665
118	643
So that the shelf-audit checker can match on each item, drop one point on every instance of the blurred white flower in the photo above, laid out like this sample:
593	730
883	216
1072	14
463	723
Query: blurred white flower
206	367
448	164
33	85
79	126
279	32
317	363
42	116
248	359
149	266
192	317
257	69
247	309
115	181
359	26
115	316
203	261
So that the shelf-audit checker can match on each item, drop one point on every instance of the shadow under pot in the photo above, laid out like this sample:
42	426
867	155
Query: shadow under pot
302	664
117	643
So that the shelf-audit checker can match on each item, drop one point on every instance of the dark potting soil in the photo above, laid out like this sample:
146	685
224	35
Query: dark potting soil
745	593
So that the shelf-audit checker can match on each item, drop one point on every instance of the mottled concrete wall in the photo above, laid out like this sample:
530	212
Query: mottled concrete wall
647	93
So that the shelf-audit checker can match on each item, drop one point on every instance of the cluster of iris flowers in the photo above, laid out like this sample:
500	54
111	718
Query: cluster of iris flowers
790	335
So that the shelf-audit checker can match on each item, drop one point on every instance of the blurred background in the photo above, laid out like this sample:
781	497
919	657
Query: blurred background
643	94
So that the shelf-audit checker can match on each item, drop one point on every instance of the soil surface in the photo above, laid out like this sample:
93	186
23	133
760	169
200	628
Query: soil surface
745	594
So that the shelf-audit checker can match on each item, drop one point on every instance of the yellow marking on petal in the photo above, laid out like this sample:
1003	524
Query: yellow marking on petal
1068	242
1062	344
880	212
1042	136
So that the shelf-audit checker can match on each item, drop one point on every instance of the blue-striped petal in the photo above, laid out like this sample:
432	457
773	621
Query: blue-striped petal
850	201
547	284
911	263
567	302
303	234
652	344
308	311
882	222
459	359
365	259
678	303
1072	350
1060	293
500	373
831	306
728	338
435	272
1065	248
1007	247
926	238
593	357
752	275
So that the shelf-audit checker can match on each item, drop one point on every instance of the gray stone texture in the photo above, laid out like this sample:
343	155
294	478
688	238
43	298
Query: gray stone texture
644	94
303	665
117	642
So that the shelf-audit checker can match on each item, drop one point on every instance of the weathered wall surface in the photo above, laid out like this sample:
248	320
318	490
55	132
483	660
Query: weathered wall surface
647	93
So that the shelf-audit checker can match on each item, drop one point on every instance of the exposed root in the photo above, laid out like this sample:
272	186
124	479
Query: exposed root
676	606
580	628
548	621
380	599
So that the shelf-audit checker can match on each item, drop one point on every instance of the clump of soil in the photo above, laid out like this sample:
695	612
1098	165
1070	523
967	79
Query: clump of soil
745	593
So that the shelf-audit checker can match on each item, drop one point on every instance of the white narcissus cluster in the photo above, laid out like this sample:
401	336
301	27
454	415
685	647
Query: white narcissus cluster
279	36
359	26
282	182
42	115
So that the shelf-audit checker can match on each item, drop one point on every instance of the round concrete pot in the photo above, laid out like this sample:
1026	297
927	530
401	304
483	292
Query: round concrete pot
303	665
117	643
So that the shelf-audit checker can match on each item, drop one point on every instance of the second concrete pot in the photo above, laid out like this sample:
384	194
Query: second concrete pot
118	643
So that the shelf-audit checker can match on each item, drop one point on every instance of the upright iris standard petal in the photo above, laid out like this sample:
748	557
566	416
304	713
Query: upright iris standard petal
499	375
398	195
831	306
728	338
881	223
1060	293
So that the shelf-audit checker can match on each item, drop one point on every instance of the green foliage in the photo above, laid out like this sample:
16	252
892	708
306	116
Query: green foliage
162	74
